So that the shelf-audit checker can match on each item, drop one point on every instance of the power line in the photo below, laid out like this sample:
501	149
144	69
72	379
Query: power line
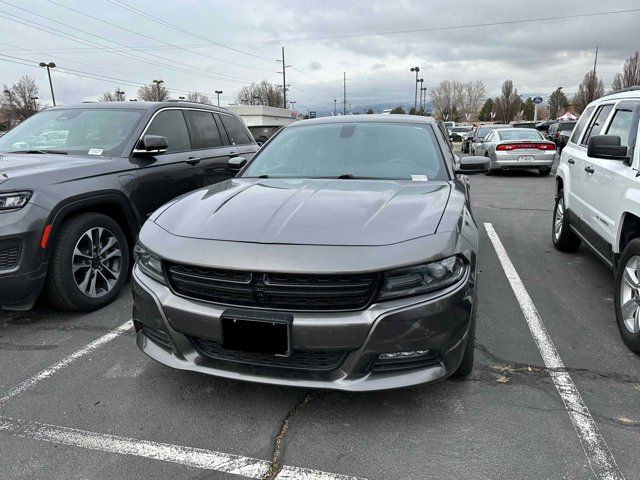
156	39
182	30
30	23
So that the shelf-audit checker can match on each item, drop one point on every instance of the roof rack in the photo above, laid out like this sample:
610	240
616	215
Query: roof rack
628	89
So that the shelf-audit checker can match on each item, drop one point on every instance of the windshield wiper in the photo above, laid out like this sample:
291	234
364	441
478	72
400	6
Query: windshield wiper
58	152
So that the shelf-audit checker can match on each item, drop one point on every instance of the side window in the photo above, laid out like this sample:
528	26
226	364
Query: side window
237	135
171	124
621	126
597	123
584	118
204	131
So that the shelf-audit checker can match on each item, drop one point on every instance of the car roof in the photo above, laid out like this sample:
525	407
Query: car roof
516	129
139	105
364	118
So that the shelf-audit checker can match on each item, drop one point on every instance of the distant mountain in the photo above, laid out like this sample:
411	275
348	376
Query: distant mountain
376	107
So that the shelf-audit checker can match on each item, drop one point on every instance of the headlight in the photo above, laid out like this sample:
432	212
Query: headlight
14	200
148	262
422	279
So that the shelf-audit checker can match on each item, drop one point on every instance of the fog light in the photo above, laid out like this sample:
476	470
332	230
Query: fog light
402	355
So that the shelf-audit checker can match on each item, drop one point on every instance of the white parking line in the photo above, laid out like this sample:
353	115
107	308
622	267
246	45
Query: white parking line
187	456
65	362
594	446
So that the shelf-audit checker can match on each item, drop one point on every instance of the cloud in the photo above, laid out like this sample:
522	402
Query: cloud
315	65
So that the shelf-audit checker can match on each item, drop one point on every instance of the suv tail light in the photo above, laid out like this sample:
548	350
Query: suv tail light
519	146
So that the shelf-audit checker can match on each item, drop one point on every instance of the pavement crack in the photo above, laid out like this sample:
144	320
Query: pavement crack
278	447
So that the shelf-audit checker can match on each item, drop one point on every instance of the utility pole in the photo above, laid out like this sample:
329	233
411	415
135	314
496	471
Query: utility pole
595	61
344	93
284	79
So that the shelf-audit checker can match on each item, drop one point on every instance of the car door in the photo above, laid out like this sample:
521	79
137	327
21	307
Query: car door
481	149
582	189
611	178
161	177
240	141
208	146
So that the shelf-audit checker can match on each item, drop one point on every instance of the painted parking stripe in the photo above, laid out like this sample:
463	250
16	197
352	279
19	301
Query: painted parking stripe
187	456
65	362
594	446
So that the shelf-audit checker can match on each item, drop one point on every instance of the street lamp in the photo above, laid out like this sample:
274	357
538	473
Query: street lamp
158	82
181	98
335	107
49	66
33	99
218	92
415	101
421	80
119	95
8	94
424	97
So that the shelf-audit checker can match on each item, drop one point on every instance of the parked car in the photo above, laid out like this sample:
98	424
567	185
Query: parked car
456	133
482	132
597	199
70	209
544	126
342	256
517	149
263	133
466	141
560	132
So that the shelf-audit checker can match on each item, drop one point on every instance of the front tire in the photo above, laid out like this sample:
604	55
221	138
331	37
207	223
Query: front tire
627	295
544	172
89	263
564	239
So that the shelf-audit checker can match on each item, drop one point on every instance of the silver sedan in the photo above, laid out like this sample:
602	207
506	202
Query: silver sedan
517	149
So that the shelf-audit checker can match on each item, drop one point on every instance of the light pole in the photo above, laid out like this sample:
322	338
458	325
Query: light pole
8	94
218	92
424	98
33	99
415	101
335	107
49	66
158	83
421	80
119	95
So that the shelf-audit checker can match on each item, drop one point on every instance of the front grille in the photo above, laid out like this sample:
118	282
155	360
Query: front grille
317	360
280	291
9	254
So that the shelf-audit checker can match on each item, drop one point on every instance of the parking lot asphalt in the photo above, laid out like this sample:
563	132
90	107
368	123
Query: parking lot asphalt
73	409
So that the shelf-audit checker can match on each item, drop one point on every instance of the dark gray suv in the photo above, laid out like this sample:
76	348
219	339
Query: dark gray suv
342	256
77	182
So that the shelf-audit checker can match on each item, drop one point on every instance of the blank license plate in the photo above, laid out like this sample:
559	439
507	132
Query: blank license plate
525	158
268	335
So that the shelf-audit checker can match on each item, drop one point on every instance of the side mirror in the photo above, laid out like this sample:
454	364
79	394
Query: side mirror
471	165
152	144
607	147
236	163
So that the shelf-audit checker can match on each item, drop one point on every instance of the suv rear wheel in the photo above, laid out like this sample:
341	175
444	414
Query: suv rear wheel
564	239
627	295
89	263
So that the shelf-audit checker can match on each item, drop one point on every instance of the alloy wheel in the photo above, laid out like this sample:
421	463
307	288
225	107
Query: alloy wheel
559	219
97	262
630	295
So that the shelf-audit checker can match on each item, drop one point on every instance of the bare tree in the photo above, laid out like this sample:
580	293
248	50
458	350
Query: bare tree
21	101
630	75
508	103
474	92
115	96
263	93
154	92
590	89
198	97
447	97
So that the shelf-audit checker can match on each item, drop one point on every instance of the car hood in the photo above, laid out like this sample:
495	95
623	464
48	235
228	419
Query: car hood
309	211
22	164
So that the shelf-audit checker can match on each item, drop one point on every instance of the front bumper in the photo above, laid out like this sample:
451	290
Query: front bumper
21	280
169	327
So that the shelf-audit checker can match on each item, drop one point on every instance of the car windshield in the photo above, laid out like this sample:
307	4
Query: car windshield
352	150
75	131
521	134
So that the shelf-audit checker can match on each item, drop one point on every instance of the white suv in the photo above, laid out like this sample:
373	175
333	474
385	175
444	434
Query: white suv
598	198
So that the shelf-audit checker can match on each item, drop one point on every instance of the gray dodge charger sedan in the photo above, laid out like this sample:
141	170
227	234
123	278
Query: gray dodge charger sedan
342	256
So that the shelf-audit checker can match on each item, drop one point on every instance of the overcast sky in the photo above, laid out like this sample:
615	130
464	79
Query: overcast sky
222	45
